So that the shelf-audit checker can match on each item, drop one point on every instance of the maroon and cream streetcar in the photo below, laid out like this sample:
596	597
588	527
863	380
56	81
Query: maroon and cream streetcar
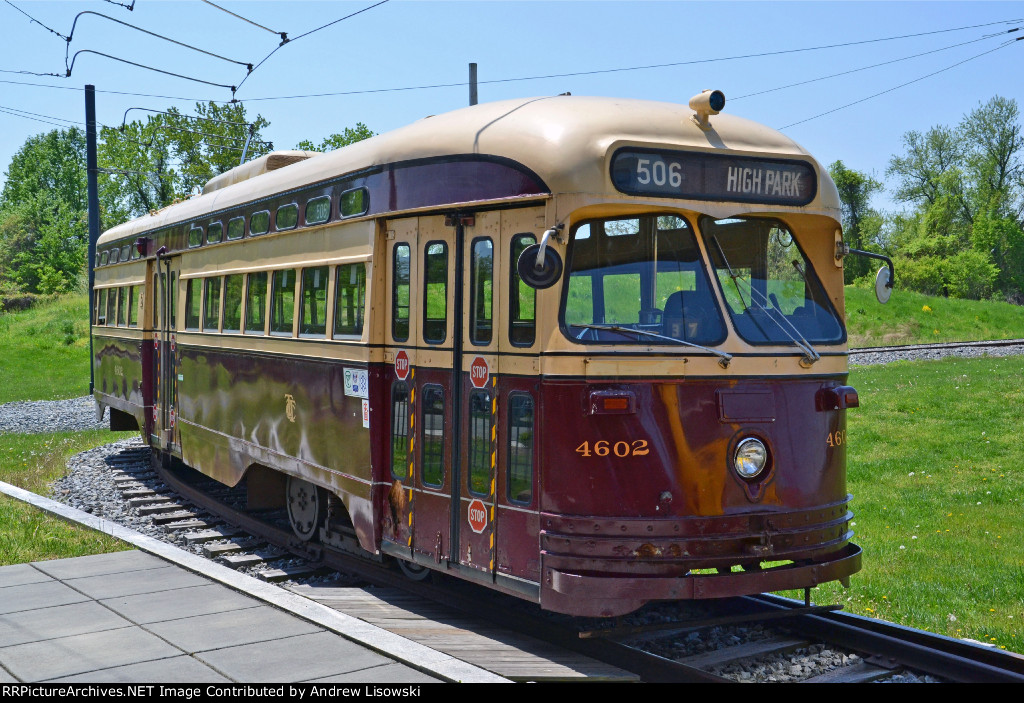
586	351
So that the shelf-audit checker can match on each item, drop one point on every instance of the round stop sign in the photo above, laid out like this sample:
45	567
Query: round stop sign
402	365
477	515
479	372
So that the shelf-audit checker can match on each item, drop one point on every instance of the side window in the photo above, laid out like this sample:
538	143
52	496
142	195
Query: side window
435	292
174	299
349	300
233	304
480	426
256	304
400	293
318	210
481	308
193	295
126	252
195	237
133	311
282	303
522	319
104	257
122	308
211	307
400	430
353	202
101	306
313	308
214	233
236	228
259	223
520	447
432	439
111	306
114	254
287	217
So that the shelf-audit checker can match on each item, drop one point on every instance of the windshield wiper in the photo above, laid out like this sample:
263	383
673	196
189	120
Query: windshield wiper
810	354
723	360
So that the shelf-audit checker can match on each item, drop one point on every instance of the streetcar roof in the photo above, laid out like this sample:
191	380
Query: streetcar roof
565	140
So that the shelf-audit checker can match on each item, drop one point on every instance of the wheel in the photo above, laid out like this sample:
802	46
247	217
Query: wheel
413	571
307	507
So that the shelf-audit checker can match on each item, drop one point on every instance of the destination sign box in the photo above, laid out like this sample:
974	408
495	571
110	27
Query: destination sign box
701	176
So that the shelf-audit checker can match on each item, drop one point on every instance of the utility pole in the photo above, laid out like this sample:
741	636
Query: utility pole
91	168
472	84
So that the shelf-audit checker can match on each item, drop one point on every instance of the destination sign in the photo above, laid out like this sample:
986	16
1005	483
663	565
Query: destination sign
700	176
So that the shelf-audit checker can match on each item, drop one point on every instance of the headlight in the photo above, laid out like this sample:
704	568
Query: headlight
751	457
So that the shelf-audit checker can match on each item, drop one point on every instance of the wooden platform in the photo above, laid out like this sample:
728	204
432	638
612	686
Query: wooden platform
508	654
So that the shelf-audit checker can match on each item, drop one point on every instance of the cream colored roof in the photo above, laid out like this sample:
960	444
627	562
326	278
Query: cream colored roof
565	140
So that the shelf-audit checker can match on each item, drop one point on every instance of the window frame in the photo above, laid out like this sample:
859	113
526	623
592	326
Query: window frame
253	232
277	217
310	203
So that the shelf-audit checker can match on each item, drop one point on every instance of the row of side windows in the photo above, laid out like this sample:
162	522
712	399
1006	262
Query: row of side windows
116	307
214	304
125	252
520	434
522	319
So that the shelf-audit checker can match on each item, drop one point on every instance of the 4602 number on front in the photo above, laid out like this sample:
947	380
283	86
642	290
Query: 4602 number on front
638	447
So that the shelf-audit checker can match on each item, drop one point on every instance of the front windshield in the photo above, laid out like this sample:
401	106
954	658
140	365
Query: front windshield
644	278
768	284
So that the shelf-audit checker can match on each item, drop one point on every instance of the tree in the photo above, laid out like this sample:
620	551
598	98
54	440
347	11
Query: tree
349	135
861	224
51	163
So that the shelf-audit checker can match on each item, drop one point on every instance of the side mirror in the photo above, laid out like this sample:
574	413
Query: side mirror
883	285
542	275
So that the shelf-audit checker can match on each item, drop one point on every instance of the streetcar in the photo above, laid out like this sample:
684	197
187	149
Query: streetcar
586	351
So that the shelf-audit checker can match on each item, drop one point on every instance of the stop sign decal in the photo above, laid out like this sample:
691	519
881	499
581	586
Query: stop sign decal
477	515
402	365
479	372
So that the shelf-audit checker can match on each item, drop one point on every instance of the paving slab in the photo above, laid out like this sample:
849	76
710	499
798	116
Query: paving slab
20	574
31	596
149	608
99	564
392	673
60	621
6	677
206	632
176	670
299	658
165	578
78	654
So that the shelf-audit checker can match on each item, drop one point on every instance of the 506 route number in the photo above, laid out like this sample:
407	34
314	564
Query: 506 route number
638	447
658	172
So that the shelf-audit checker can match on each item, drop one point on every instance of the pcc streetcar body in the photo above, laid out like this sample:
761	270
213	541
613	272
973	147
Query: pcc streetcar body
351	334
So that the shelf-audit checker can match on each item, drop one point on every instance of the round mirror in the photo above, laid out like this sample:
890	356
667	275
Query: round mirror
543	276
882	288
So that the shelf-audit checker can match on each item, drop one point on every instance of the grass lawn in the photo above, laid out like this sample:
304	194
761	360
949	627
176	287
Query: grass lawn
938	498
32	462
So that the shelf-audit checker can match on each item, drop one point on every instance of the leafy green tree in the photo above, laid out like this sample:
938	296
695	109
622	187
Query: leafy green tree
51	163
349	135
861	223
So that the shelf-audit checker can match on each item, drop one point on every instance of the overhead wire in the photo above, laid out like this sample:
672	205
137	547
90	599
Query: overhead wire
283	35
150	68
33	19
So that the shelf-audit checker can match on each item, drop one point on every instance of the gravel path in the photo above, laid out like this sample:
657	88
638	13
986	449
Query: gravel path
36	416
864	359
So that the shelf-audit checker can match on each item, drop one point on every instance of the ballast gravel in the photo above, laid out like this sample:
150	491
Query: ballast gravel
37	416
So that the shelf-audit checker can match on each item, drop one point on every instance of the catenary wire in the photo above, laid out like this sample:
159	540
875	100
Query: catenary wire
283	35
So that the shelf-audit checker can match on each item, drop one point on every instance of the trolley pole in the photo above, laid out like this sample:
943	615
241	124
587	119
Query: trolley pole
472	84
91	168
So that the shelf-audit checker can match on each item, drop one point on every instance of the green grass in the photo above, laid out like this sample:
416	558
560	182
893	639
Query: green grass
33	462
914	318
933	467
44	351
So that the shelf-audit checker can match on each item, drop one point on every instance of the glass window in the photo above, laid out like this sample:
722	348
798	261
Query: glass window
482	285
256	304
520	447
126	252
349	300
354	202
133	312
211	305
174	299
400	301
121	308
287	217
769	286
522	319
104	257
136	254
236	228
101	306
480	430
318	210
214	232
159	299
259	223
400	430
639	280
435	292
313	308
195	237
114	254
233	304
432	441
193	298
111	306
282	304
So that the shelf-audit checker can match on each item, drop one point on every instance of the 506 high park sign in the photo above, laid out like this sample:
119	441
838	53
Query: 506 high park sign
707	176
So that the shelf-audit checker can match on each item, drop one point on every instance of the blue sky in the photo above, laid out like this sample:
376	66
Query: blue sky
408	43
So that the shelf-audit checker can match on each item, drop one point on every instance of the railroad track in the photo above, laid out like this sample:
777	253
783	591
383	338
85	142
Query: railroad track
784	640
938	346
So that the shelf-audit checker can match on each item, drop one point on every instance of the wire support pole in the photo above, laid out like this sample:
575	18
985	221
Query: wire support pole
91	169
